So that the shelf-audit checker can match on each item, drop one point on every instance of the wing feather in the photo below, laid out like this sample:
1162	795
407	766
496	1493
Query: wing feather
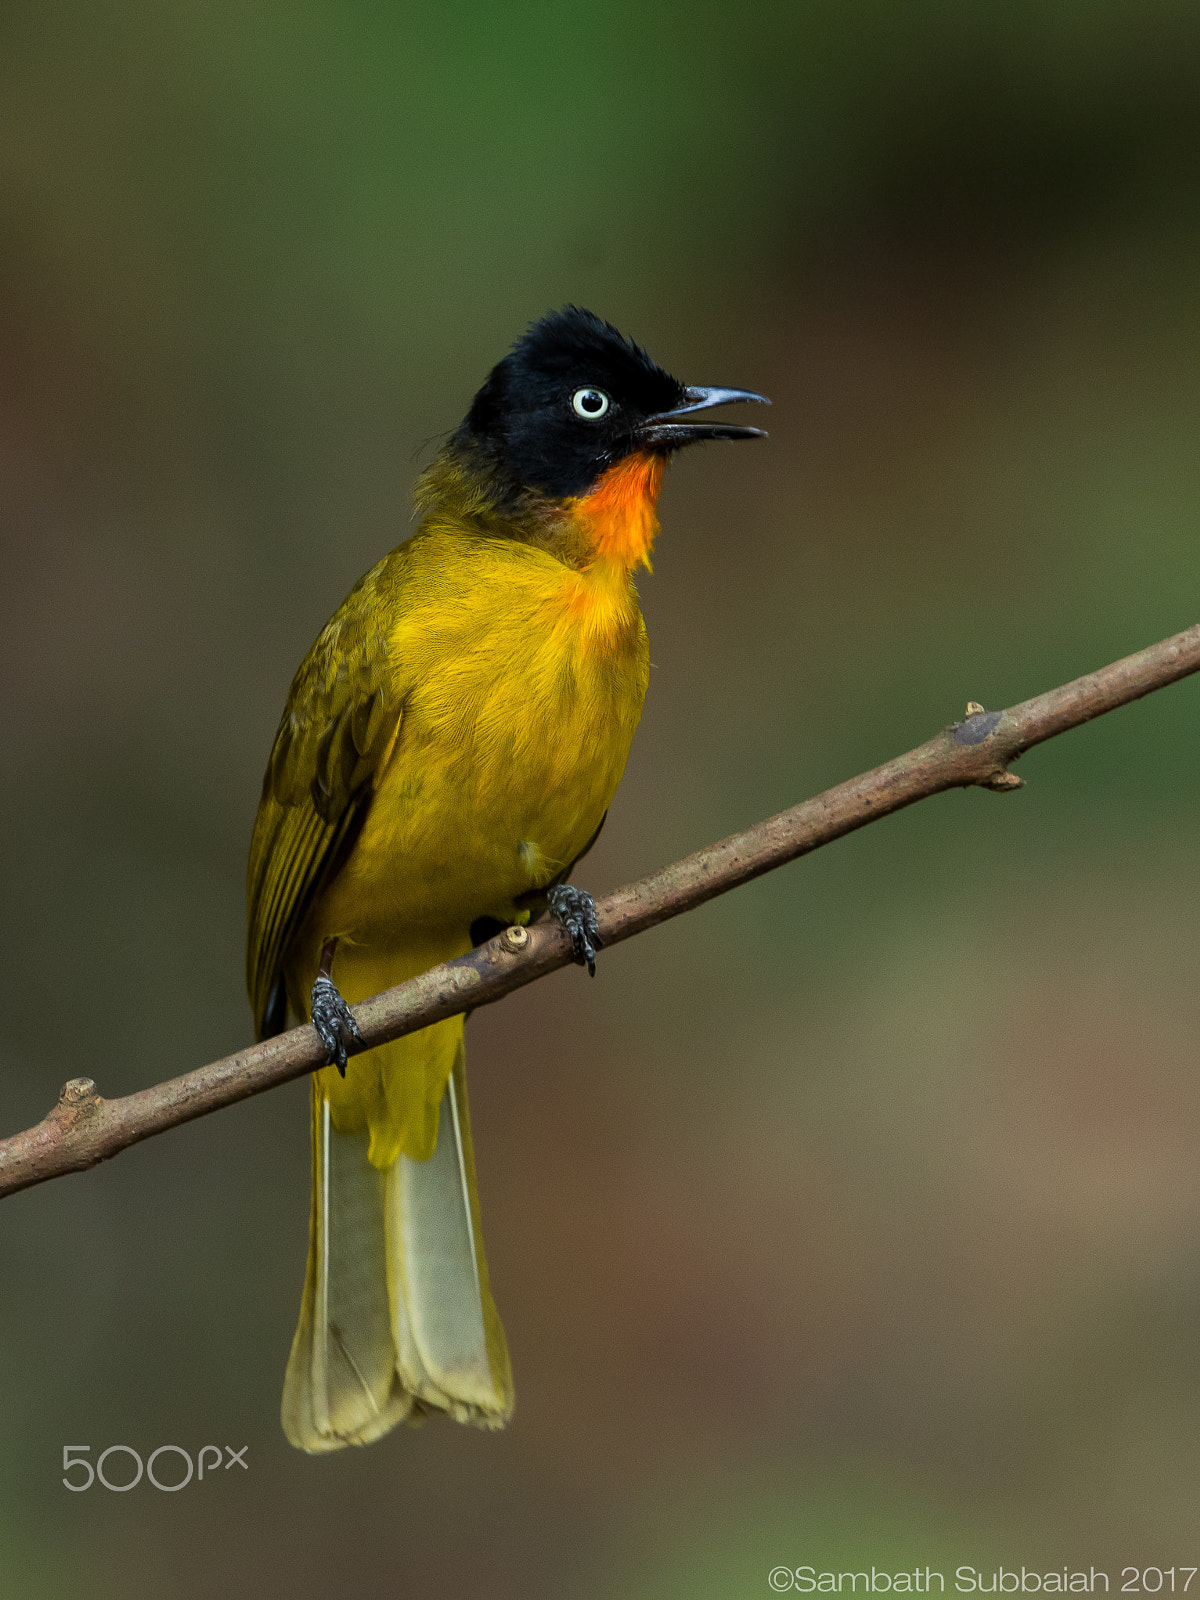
337	733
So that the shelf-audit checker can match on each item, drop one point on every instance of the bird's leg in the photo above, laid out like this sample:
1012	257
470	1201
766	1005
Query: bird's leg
575	910
336	1027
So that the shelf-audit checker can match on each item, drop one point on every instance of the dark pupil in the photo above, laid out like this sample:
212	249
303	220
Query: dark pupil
591	401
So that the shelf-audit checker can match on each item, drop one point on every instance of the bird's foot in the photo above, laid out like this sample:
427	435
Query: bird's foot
575	910
331	1017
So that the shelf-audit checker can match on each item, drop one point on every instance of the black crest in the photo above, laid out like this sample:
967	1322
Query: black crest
535	415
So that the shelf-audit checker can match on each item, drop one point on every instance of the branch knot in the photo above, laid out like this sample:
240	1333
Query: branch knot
79	1094
1002	781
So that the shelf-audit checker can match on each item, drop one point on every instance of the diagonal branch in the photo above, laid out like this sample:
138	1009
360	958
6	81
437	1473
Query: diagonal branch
84	1128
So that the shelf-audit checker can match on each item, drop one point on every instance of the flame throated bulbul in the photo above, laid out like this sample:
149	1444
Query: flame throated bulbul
448	751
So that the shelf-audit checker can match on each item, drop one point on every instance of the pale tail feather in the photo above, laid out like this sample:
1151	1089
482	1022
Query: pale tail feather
397	1317
449	1342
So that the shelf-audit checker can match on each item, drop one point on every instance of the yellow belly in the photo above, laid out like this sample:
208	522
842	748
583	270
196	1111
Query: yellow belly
526	686
513	740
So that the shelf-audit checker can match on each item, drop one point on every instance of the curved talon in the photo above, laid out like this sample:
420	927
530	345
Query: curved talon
334	1022
575	911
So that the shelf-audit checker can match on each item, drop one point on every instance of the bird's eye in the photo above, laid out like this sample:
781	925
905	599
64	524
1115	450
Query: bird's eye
591	404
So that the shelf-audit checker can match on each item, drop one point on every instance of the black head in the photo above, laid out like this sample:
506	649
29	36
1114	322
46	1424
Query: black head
574	396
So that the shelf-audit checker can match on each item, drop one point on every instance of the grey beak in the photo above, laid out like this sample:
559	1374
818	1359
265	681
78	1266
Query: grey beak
672	430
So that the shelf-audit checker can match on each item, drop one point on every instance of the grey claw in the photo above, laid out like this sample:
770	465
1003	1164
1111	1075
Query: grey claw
575	911
334	1022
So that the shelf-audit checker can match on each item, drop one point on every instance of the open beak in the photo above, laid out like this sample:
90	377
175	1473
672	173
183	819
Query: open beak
672	429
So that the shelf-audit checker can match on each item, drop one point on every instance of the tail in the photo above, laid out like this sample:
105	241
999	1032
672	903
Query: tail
397	1318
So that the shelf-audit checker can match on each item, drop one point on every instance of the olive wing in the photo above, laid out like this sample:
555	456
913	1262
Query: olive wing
338	729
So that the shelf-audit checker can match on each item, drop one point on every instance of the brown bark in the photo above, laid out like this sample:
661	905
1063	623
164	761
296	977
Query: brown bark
84	1128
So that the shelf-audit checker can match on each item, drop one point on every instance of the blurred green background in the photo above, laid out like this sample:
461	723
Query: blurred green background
854	1218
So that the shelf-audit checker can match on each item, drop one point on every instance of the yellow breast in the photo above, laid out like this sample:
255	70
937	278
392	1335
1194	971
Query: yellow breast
528	679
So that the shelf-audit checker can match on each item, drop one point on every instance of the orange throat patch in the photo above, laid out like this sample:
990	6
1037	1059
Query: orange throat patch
620	513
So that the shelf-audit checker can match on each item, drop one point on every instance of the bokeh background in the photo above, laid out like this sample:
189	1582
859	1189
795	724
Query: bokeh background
854	1218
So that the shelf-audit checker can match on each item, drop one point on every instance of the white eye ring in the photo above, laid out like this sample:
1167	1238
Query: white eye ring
590	404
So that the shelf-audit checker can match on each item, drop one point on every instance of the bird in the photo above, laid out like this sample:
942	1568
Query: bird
448	751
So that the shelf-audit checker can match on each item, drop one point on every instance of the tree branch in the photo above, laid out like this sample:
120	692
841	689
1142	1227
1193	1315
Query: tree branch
84	1128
